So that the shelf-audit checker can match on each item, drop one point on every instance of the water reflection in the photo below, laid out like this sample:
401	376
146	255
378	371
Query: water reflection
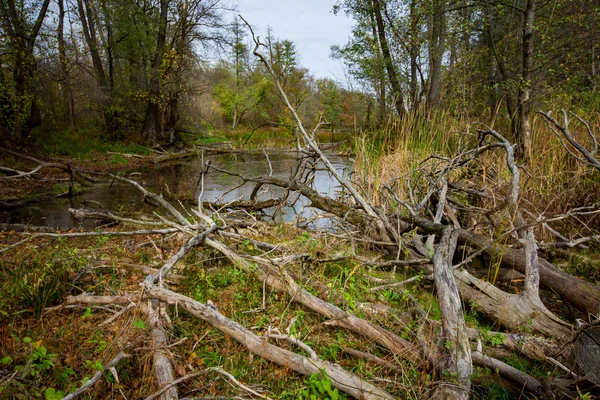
182	177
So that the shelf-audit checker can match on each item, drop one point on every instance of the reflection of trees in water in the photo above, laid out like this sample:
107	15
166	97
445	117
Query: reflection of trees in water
181	178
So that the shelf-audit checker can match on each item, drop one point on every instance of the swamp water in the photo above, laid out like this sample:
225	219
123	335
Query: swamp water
182	178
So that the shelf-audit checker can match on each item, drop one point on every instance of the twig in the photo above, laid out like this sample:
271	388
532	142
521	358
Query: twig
398	284
297	342
117	315
110	366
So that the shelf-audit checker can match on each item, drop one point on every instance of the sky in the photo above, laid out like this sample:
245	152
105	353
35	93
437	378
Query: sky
310	24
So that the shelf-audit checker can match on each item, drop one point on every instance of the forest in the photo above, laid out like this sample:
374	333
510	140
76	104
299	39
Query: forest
189	212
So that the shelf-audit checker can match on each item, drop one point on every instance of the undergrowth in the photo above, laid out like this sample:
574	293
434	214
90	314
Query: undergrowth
49	353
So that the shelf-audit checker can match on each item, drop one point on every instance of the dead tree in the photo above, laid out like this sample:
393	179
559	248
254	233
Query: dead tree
572	145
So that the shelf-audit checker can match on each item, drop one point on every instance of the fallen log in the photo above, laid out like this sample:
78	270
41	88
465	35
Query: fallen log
340	378
457	357
583	295
163	368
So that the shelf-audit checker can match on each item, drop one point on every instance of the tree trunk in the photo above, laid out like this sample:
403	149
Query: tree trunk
153	129
524	106
414	56
457	361
26	115
89	31
387	59
64	85
436	52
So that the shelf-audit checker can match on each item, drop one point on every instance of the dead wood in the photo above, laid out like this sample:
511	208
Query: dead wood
340	378
75	175
102	215
562	132
587	351
457	360
584	295
524	381
248	205
282	281
163	368
110	366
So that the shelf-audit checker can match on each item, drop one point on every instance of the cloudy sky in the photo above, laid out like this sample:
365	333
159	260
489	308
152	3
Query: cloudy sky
310	24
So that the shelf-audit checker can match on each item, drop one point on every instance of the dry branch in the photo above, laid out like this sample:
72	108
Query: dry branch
458	356
340	378
86	386
163	368
562	132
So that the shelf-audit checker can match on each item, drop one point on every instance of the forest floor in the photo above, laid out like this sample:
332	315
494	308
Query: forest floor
49	348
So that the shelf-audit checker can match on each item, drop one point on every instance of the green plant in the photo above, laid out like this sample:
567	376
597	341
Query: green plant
39	362
53	394
496	340
319	388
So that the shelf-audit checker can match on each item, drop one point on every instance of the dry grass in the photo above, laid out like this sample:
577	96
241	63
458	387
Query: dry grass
552	182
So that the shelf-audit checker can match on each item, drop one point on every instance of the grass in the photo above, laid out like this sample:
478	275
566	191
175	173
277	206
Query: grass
64	347
81	144
551	182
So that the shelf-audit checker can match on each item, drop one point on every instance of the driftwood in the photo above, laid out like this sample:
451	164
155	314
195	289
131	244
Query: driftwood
75	175
340	378
457	360
163	369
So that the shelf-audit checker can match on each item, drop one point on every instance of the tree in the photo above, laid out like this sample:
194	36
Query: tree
152	130
21	34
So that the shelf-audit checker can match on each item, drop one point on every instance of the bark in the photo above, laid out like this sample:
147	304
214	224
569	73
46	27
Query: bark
163	369
340	378
436	52
26	115
387	58
64	71
153	130
524	107
457	361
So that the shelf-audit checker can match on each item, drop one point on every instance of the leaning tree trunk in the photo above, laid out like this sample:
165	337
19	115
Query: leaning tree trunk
387	59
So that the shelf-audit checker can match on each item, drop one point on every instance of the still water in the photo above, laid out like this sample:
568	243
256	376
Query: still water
182	178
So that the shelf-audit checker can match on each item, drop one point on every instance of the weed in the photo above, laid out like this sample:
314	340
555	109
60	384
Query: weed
319	388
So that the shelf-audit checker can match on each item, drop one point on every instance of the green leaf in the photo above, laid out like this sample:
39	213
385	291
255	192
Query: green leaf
7	360
52	394
87	313
139	324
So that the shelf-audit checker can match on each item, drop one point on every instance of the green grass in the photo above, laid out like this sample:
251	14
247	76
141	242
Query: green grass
79	145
